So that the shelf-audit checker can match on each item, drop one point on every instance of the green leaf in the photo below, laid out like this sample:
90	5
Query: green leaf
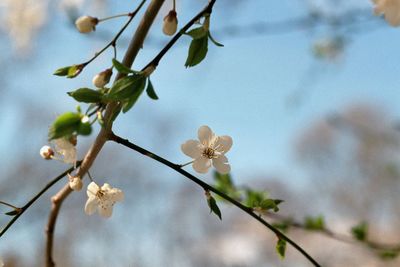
223	182
388	254
282	226
84	128
197	33
150	90
281	248
65	125
86	95
121	68
124	88
197	51
214	207
254	198
137	91
314	223
360	231
270	204
214	41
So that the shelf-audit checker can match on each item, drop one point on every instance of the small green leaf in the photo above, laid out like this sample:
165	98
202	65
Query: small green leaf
360	231
62	71
270	204
281	248
84	128
137	91
197	33
150	90
282	226
214	207
197	51
121	67
86	95
124	88
388	254
223	182
314	223
65	125
214	41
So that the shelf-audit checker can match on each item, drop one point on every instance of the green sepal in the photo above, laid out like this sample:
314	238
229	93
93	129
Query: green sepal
281	248
197	51
65	125
137	91
86	95
360	231
70	71
150	90
214	207
13	212
62	71
214	41
121	68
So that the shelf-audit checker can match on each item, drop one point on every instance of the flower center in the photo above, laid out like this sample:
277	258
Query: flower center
209	153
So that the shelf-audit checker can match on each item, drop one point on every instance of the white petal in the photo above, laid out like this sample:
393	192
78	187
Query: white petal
106	187
105	210
224	143
90	206
92	189
116	195
221	164
201	164
205	134
191	148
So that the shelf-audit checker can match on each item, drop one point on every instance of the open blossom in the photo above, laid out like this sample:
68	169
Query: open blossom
102	199
86	24
67	149
170	24
390	9
210	149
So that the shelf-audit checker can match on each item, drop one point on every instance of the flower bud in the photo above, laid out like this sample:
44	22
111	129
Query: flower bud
75	182
86	24
102	78
170	23
46	152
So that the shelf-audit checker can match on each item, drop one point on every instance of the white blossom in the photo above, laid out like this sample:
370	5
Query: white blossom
86	24
102	78
67	149
209	150
46	152
75	182
170	24
102	199
390	9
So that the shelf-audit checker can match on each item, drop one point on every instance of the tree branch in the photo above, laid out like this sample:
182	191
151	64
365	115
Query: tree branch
132	51
208	187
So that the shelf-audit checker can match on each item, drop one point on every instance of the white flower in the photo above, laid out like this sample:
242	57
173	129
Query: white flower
46	152
102	78
67	149
210	149
102	199
86	24
75	182
391	10
170	23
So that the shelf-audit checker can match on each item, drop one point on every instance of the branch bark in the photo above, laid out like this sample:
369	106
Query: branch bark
132	51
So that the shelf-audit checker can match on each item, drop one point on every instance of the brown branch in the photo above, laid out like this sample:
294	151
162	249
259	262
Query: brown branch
132	51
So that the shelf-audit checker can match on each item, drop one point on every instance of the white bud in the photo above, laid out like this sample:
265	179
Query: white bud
170	23
86	24
102	78
75	182
46	152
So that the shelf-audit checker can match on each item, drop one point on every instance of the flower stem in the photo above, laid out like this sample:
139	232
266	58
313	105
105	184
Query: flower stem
183	165
116	16
9	205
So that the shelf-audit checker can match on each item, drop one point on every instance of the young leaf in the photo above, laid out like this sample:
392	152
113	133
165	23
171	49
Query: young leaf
214	207
316	223
84	128
62	71
64	125
197	51
137	91
214	41
121	67
150	90
86	95
197	33
281	248
124	88
360	231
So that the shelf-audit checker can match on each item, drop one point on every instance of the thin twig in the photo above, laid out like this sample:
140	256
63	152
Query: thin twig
208	187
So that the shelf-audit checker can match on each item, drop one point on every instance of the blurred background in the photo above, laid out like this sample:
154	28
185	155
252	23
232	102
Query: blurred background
307	89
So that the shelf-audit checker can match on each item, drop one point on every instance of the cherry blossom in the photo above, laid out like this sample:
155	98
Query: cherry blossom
86	24
170	24
67	149
102	199
210	149
390	9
